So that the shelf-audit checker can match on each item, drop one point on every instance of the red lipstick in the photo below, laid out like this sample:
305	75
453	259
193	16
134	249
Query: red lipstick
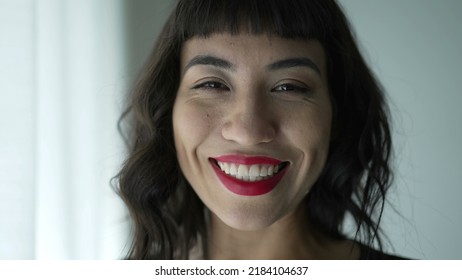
248	188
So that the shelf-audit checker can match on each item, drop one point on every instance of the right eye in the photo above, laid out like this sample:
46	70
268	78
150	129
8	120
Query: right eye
212	85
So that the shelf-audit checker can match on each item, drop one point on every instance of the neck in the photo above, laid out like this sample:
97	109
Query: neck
289	238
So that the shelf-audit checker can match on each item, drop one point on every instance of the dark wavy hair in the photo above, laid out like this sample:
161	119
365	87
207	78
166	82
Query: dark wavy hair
168	217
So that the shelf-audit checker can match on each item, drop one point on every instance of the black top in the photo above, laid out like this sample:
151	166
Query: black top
368	253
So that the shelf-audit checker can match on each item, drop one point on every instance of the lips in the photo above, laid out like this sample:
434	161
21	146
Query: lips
249	176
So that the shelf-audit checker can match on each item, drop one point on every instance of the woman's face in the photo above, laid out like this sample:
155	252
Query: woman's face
252	122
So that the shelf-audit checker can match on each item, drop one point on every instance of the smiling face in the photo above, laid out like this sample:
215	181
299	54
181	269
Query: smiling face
252	122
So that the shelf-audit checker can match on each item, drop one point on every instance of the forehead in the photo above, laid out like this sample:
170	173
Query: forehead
247	49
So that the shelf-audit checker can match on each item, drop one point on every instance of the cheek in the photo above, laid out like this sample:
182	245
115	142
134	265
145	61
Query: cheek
310	133
310	129
189	124
192	126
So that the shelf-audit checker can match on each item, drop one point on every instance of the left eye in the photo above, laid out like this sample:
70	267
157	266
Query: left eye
289	87
211	85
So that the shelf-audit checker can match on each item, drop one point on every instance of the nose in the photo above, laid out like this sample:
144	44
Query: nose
250	121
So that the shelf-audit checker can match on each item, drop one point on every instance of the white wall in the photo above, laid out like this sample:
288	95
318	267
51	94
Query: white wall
414	48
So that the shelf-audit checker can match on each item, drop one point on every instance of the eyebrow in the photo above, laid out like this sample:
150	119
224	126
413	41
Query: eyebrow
294	62
278	65
209	60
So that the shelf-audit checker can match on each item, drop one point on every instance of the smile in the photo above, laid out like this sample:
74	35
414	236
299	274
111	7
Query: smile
249	176
252	173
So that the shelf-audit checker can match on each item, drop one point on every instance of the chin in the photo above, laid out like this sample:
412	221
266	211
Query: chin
248	218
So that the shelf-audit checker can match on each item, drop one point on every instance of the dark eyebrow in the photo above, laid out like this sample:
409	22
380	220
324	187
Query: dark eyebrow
294	62
209	60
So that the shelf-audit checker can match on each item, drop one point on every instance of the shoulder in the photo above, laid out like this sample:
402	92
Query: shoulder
368	253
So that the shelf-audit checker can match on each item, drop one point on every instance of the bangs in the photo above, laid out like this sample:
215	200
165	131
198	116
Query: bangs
285	18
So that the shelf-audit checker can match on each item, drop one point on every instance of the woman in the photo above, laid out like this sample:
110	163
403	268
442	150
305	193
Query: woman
256	129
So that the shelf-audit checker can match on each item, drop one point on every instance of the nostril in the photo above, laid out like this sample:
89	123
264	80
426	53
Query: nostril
249	132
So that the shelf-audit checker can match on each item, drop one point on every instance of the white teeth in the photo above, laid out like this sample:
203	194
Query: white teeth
264	171
252	173
225	167
243	170
270	170
232	169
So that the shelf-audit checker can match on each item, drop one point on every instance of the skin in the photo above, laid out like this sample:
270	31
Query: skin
236	101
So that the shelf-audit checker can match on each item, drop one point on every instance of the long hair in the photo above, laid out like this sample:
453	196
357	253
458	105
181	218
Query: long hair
168	217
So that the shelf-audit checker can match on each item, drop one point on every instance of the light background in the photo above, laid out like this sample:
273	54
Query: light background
65	66
414	48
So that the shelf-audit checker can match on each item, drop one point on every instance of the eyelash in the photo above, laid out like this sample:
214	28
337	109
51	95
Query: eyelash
285	88
290	88
211	85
